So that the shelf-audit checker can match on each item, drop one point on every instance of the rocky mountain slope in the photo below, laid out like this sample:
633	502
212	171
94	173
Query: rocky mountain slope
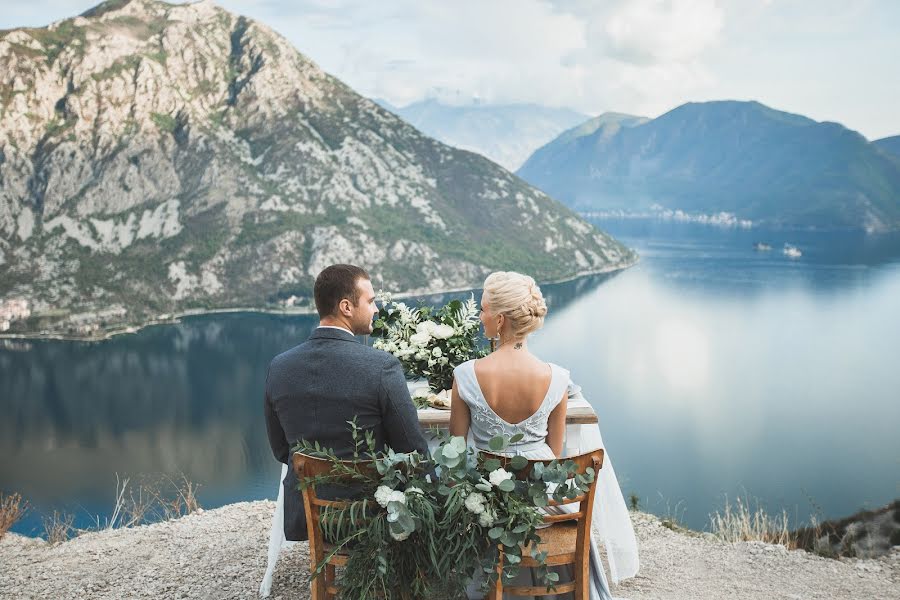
158	157
506	133
771	167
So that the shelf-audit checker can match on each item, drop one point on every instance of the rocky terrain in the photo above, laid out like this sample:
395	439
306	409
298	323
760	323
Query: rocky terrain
222	554
157	158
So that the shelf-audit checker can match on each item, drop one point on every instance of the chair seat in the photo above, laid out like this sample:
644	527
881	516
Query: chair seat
558	541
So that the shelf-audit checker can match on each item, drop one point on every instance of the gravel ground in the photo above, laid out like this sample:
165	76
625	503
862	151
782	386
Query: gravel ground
222	554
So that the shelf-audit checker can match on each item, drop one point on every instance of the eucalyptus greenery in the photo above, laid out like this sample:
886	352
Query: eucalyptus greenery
424	526
430	342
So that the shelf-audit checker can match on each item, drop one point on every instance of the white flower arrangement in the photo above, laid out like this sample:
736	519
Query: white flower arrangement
475	503
429	342
385	495
498	476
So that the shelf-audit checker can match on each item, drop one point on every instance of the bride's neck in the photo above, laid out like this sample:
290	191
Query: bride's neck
512	345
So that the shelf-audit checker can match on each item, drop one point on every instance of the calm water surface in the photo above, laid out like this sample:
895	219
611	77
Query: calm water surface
714	369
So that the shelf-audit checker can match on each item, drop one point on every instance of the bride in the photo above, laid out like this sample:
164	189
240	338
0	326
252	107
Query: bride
512	391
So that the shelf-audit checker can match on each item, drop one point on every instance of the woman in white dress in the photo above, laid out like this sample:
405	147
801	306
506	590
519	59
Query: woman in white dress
511	390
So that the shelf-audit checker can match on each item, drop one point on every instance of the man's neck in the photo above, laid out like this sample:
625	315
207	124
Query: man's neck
336	325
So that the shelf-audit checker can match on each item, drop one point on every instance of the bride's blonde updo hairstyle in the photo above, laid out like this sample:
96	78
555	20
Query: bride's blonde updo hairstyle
518	298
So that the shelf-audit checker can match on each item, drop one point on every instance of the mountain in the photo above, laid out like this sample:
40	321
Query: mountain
158	157
891	145
507	134
768	166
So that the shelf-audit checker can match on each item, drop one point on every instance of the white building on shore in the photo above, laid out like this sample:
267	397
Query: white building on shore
12	310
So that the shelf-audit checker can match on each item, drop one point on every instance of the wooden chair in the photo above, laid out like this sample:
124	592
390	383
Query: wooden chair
567	540
322	586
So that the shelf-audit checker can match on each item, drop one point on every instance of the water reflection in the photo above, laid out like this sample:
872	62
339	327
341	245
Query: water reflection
711	368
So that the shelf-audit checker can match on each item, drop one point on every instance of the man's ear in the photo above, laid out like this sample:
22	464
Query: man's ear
345	307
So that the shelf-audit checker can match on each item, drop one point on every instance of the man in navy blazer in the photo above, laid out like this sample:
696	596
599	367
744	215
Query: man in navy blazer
313	389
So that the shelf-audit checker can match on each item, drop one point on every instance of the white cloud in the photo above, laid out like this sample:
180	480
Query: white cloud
829	59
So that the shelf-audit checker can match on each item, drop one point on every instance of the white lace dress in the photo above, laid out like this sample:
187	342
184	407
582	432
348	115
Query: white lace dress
486	424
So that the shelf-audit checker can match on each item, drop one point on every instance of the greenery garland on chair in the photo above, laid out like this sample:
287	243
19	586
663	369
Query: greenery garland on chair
423	526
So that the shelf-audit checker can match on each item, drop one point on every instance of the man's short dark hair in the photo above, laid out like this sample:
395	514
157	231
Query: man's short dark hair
334	284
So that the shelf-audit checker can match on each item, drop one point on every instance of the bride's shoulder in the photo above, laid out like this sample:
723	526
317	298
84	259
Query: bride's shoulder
559	371
463	367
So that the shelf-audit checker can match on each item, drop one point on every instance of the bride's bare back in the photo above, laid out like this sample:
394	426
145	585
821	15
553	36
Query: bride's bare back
514	386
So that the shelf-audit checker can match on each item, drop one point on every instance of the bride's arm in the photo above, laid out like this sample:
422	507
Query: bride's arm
556	426
459	413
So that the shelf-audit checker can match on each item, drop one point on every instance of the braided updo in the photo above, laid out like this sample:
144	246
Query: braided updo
518	298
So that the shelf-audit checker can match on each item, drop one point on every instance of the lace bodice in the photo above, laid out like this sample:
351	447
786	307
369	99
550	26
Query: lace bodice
486	423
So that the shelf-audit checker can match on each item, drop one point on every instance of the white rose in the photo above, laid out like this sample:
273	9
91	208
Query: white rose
436	352
426	327
443	332
475	503
498	476
443	360
383	495
397	496
420	339
486	519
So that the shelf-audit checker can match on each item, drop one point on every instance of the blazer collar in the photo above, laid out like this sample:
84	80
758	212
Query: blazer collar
330	333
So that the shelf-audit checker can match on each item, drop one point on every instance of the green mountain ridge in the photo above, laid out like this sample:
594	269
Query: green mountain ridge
775	168
157	158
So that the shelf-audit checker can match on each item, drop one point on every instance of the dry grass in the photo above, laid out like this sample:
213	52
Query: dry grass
740	523
12	508
149	502
59	527
135	504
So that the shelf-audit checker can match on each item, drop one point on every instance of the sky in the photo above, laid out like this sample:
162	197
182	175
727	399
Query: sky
831	60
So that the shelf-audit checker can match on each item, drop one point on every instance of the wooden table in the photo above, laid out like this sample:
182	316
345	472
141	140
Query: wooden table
579	412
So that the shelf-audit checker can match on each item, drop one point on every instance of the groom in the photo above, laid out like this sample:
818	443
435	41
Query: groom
313	389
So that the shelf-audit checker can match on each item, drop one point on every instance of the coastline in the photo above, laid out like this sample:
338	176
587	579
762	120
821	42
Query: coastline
173	318
224	551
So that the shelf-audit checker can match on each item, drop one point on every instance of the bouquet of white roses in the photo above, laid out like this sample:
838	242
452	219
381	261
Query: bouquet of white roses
430	342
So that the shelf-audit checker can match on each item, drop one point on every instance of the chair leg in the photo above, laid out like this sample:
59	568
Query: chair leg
317	587
329	580
497	592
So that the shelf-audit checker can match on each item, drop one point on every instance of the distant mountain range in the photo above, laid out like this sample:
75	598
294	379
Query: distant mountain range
156	158
774	168
507	134
890	145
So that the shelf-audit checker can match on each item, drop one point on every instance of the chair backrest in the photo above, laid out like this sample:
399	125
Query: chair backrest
593	459
310	466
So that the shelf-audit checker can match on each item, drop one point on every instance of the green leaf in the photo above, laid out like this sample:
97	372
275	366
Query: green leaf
483	487
507	485
497	443
516	438
495	532
491	464
518	462
508	539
